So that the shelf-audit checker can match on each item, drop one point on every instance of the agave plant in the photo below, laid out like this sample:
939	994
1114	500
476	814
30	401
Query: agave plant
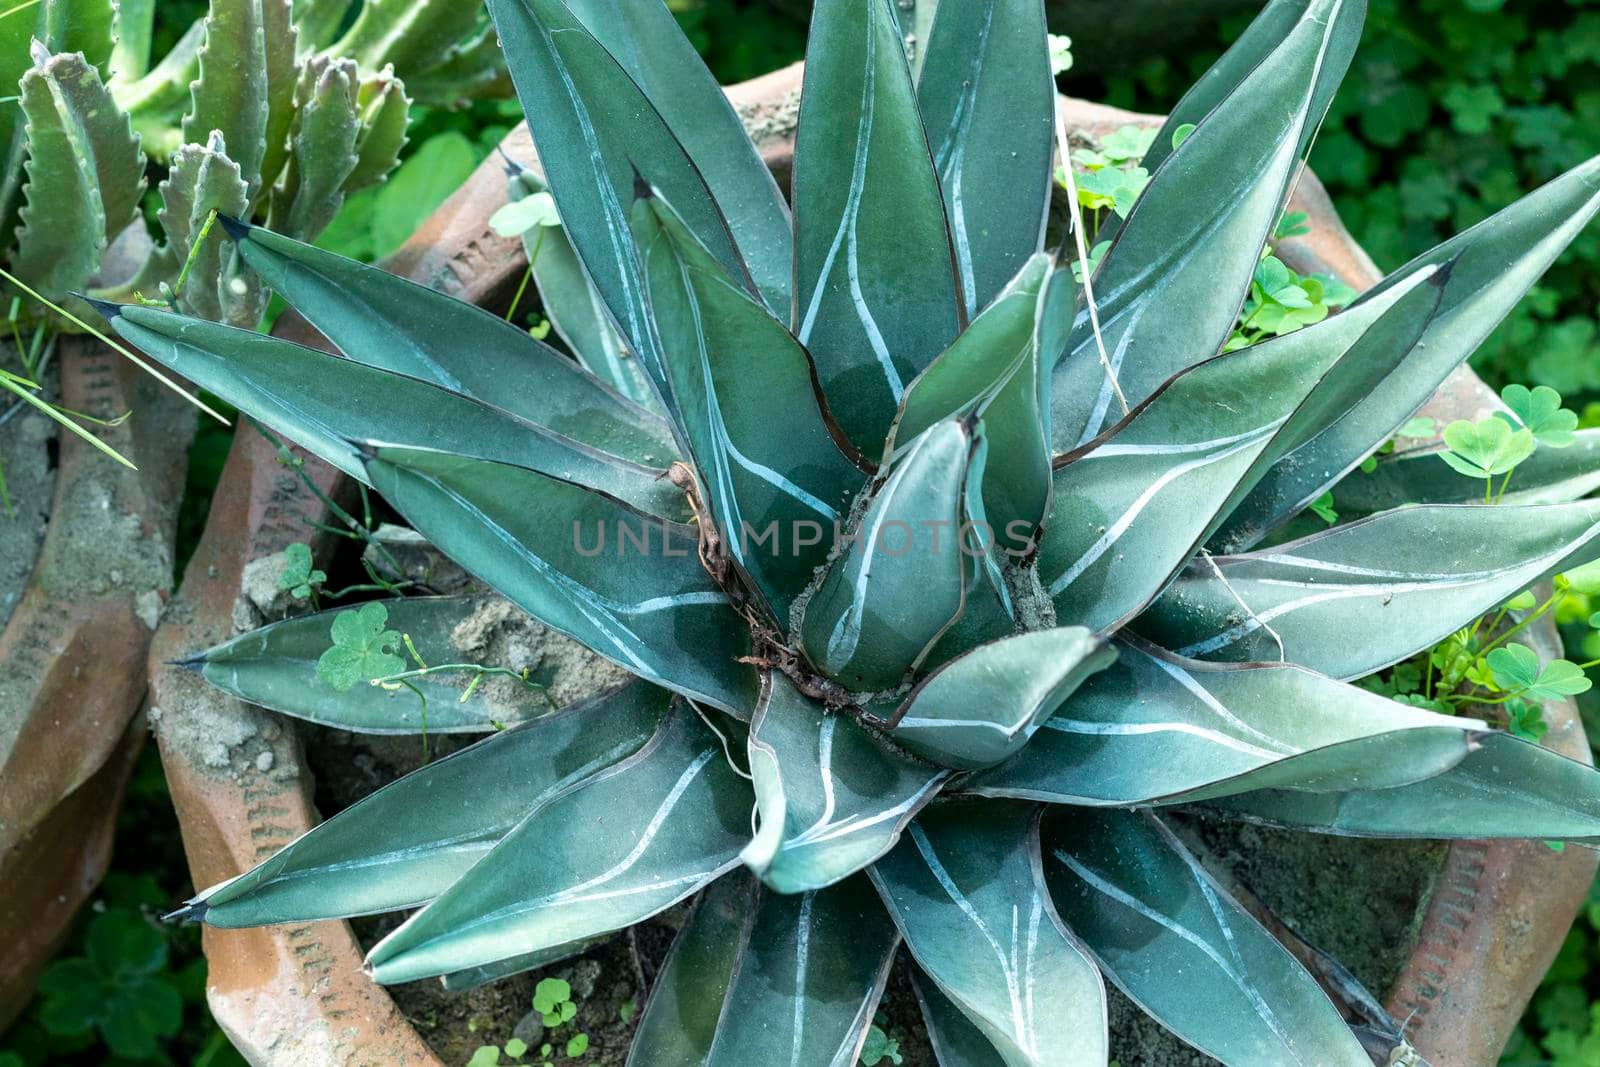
941	580
262	109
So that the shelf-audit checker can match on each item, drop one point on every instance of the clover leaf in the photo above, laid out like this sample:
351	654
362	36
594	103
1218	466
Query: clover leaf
552	998
1060	53
115	988
1293	224
1128	143
298	574
363	648
1540	411
1517	670
523	216
1096	254
1486	448
1112	187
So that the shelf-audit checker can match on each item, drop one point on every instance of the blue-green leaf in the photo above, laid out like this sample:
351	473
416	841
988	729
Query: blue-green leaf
956	1041
1507	787
1156	729
832	798
617	847
645	38
306	396
1170	287
876	294
1129	509
597	135
408	842
385	321
993	370
575	309
1267	33
1181	948
246	86
979	709
967	891
744	392
763	977
988	104
1484	271
629	586
1357	598
276	667
899	586
1416	476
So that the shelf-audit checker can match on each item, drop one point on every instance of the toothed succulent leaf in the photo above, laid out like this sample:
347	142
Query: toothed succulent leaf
204	179
246	87
85	174
323	148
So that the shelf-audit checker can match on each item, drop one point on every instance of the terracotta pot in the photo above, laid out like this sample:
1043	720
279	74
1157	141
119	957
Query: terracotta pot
292	995
73	653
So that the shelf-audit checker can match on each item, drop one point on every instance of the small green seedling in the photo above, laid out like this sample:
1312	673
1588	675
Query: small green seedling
299	577
364	648
552	998
523	216
880	1048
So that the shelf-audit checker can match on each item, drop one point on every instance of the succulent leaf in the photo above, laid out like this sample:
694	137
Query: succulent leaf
317	22
876	294
246	87
677	816
323	142
1415	476
1156	729
1491	267
1175	942
305	395
987	99
993	370
475	69
85	173
1266	34
1508	787
385	115
832	798
204	179
966	890
899	584
977	710
597	135
62	26
791	978
135	27
276	667
575	309
410	35
1157	287
628	585
956	1040
644	36
744	392
383	321
1129	509
1357	598
407	843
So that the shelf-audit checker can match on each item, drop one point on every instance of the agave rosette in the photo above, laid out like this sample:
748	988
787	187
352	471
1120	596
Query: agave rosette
929	632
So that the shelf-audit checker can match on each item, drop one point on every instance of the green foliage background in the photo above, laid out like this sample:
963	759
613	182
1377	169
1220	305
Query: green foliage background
1453	109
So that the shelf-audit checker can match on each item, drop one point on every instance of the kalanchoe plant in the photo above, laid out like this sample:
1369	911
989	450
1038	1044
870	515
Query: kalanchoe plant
262	110
927	624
